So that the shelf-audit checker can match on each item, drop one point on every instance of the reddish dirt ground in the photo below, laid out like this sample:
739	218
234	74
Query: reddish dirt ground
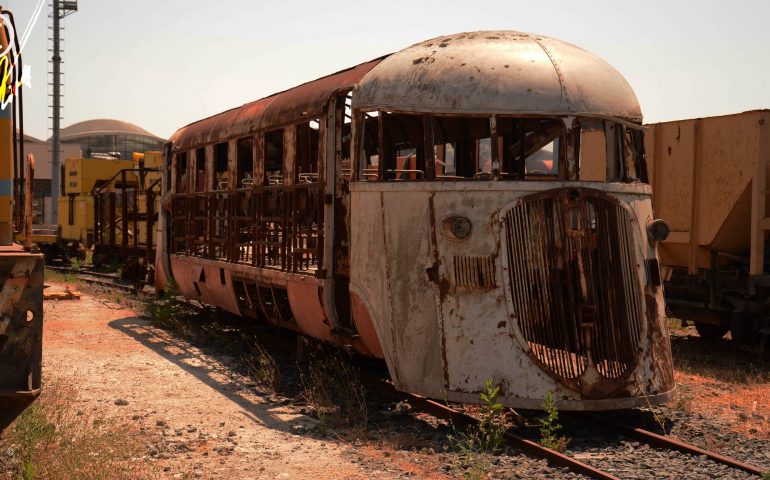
200	418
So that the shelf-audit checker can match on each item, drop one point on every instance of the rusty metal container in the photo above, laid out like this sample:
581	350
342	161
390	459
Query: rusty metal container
709	178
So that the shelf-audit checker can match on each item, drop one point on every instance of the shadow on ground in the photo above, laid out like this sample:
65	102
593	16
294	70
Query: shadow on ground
720	359
217	370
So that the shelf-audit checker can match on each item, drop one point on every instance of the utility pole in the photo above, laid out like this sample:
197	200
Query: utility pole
61	8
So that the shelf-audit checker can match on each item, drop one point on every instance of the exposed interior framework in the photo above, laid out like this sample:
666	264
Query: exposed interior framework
417	147
271	216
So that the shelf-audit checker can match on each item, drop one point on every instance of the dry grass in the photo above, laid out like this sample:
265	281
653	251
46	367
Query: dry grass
53	439
717	379
260	365
61	277
331	386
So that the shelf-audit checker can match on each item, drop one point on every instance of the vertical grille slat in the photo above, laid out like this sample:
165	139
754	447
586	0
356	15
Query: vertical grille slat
569	318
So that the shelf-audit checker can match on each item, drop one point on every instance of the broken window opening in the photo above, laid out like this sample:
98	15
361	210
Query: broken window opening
245	162
221	175
274	158
633	155
369	148
200	170
307	139
611	152
527	148
182	179
530	148
403	157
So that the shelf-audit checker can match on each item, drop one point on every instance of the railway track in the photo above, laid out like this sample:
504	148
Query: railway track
96	278
559	459
531	447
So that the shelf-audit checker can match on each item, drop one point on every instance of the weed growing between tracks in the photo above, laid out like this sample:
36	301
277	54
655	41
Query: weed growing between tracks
550	426
53	439
480	441
172	313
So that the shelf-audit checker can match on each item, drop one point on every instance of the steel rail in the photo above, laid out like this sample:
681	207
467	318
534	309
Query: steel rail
671	443
83	272
95	278
107	284
458	418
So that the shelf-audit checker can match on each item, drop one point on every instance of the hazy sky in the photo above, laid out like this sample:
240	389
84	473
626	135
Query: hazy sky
164	63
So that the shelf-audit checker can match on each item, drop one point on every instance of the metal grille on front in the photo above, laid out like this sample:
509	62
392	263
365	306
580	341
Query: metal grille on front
574	282
474	272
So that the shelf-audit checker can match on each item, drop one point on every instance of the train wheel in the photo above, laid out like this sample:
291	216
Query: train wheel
711	331
741	329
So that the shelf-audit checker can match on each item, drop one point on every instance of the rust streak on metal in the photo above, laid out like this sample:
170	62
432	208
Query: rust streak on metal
28	197
269	112
443	286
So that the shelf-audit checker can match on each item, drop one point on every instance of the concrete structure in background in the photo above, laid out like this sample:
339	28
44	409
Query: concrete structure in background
110	136
83	139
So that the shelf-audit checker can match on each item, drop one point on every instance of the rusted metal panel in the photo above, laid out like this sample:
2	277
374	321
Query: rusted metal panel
307	310
21	327
308	100
304	101
703	181
210	283
502	72
240	121
365	326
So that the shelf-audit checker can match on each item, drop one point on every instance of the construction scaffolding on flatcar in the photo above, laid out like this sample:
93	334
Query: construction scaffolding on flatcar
125	216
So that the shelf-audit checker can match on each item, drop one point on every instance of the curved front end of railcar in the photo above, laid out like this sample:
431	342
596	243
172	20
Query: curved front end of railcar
552	288
501	225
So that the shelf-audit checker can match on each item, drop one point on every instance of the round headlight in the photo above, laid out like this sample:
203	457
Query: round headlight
658	230
460	227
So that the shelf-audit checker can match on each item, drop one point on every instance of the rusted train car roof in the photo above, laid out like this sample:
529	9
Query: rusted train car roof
306	100
502	72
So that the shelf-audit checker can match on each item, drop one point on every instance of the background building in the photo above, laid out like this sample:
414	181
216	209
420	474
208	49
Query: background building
110	136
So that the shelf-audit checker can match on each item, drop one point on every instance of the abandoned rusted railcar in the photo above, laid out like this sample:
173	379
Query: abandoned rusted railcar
428	208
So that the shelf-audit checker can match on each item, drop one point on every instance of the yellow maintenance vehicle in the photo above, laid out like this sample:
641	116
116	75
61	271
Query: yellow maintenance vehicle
105	175
21	269
76	205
